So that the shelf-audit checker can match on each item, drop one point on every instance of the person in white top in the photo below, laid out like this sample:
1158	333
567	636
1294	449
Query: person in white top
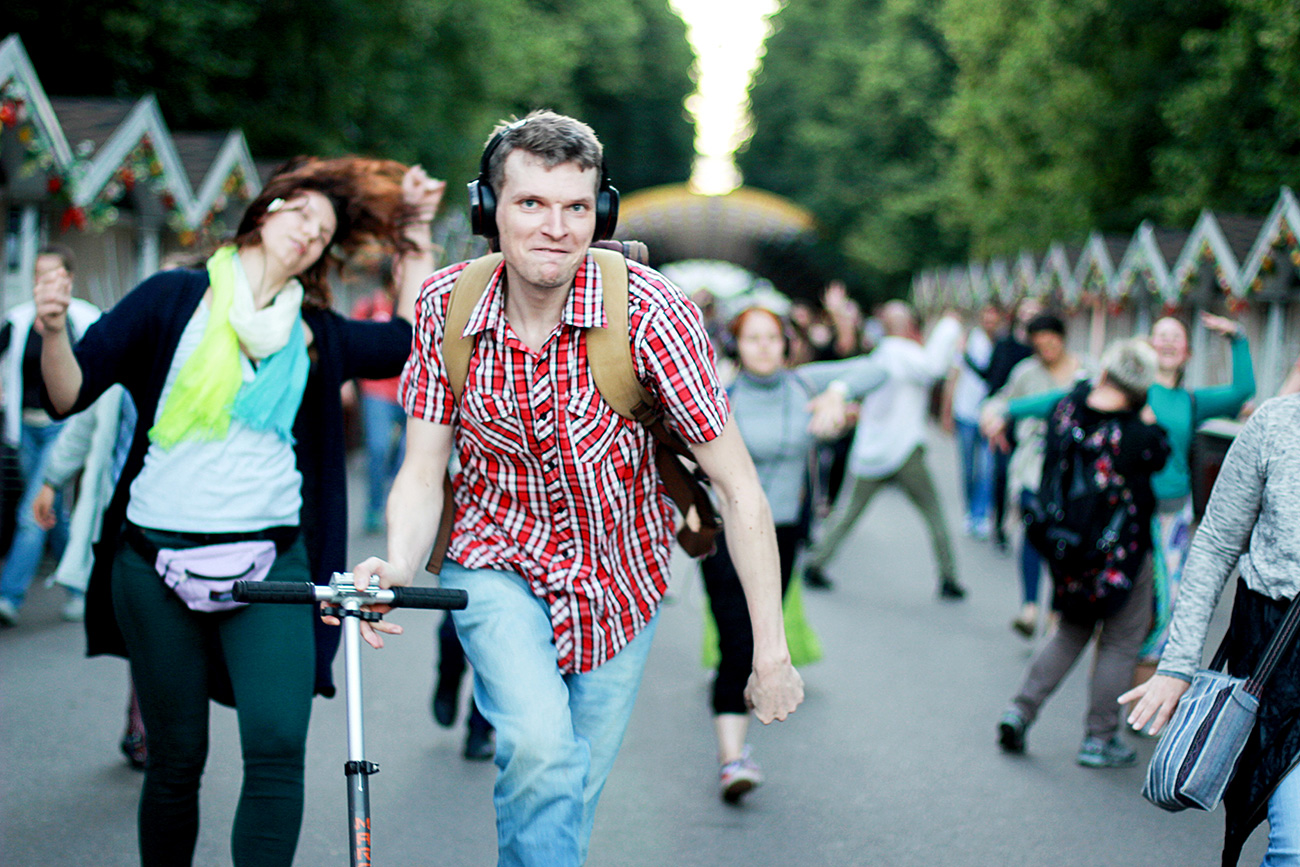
889	445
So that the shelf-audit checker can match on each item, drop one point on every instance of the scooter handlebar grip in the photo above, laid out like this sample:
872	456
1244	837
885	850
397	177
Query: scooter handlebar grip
429	597
274	591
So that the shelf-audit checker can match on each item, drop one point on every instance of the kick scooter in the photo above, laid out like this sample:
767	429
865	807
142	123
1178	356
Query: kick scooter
343	600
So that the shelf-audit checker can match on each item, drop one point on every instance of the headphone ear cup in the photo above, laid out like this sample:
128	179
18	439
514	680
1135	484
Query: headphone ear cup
482	209
606	212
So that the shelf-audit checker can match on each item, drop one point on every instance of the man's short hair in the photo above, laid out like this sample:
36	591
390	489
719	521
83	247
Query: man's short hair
1046	322
64	254
553	138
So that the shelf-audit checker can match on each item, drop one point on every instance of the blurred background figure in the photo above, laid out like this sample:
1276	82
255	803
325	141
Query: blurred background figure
1009	350
888	448
1101	424
382	417
770	405
29	429
1050	368
965	392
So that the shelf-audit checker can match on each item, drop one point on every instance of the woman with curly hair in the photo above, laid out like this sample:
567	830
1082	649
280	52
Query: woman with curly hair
236	469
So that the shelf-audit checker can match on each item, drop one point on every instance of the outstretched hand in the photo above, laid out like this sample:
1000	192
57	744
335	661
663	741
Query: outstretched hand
1157	699
1220	324
829	411
387	576
773	692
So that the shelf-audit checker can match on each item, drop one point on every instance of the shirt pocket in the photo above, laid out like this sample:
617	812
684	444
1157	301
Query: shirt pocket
493	422
594	427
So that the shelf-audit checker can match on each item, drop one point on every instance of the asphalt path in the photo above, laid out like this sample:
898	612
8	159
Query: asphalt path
891	761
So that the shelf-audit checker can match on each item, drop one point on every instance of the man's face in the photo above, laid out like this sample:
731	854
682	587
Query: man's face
546	218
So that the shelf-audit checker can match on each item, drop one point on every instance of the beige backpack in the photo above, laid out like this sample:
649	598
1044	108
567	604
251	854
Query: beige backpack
610	355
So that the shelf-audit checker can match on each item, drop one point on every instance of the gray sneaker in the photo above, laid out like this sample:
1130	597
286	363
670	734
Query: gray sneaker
8	613
1114	753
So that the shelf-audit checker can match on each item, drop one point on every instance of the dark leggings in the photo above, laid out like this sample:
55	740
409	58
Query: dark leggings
176	655
731	614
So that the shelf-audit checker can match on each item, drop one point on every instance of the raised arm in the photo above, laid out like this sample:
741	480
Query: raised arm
775	689
1227	400
422	194
59	367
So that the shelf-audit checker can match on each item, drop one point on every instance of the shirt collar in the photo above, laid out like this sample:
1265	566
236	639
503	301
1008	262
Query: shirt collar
585	307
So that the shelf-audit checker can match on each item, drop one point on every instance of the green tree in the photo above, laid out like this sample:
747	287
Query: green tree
1056	114
1234	123
411	79
844	108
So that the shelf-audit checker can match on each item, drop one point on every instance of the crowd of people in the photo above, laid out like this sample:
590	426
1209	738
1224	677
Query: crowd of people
227	383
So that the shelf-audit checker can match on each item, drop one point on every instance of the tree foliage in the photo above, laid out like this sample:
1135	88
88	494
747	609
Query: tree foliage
409	79
921	133
844	109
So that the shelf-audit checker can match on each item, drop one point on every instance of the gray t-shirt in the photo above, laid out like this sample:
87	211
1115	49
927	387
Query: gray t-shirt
1252	522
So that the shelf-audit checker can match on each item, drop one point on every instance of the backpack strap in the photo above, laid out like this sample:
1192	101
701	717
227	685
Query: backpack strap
465	294
609	356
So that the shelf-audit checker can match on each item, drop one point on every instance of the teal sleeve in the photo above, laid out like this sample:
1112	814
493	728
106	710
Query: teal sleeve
1036	405
1227	400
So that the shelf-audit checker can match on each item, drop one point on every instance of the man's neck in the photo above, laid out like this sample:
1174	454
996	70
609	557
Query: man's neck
533	313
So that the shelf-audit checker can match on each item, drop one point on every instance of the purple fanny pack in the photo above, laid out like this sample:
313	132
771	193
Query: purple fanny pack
203	577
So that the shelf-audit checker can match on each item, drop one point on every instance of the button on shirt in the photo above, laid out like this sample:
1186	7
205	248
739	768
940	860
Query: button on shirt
553	484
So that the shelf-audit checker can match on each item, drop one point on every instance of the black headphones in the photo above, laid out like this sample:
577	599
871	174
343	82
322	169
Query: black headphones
483	201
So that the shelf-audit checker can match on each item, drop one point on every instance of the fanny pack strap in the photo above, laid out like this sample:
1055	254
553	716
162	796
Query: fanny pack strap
283	537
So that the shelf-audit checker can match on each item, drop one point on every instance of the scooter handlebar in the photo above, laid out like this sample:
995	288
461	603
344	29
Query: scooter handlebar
274	591
299	592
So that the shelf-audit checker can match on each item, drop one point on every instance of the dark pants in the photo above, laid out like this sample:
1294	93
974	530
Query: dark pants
177	654
731	614
451	668
1118	639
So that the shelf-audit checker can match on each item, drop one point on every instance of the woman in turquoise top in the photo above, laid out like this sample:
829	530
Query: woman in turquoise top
1180	411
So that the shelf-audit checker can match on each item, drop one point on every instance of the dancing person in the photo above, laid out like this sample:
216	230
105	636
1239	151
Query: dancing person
561	537
1051	368
769	403
889	440
236	373
1249	525
31	430
1110	416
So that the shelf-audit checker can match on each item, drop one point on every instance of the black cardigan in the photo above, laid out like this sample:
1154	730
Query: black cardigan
133	344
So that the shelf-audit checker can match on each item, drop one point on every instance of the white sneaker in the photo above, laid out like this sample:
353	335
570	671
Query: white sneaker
8	613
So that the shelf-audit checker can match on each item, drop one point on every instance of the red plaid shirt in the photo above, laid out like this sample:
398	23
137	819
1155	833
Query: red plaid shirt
553	484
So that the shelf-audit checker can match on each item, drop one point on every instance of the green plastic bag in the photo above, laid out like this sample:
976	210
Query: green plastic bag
805	649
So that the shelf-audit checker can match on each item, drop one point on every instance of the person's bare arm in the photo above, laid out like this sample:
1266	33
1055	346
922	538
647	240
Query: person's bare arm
59	367
422	194
775	689
413	512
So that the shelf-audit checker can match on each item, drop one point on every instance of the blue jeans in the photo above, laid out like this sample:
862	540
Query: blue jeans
976	471
557	734
383	451
1031	562
29	537
1284	823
